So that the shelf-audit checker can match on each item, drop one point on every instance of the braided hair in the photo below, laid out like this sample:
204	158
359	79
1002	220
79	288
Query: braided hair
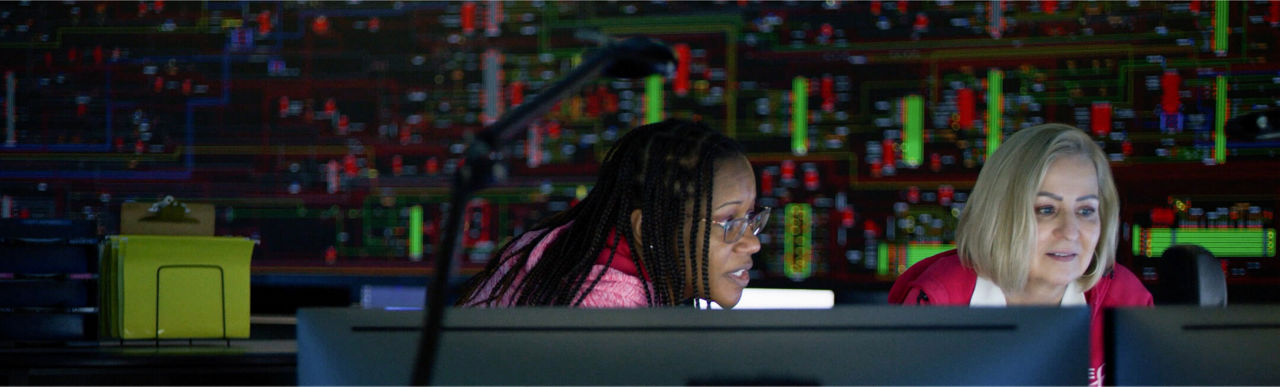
666	170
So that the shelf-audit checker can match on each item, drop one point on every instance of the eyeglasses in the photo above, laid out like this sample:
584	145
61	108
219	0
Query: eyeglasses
734	229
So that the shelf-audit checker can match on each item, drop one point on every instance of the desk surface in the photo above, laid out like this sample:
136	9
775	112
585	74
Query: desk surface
243	362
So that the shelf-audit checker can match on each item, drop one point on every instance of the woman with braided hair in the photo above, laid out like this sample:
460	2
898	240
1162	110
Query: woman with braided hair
671	219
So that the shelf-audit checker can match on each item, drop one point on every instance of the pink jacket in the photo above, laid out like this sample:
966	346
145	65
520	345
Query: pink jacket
943	280
620	287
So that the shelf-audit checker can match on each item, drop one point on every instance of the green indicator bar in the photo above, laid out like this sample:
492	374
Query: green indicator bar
1222	242
1221	14
882	259
917	252
1220	122
797	256
653	99
995	109
415	233
913	138
1271	243
1137	241
800	116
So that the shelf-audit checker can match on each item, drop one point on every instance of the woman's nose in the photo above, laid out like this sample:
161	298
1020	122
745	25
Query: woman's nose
1068	227
750	243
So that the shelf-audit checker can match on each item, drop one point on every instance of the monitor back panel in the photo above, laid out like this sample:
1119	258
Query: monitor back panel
847	345
1188	345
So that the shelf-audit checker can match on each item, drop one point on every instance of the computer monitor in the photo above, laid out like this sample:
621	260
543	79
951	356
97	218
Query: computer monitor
880	345
1189	345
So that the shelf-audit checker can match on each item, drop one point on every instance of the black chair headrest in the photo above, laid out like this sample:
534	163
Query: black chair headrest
1190	274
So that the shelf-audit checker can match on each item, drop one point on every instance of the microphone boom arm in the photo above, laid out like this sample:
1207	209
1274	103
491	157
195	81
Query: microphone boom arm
634	57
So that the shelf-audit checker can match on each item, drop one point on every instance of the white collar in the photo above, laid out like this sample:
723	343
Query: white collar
986	293
1074	295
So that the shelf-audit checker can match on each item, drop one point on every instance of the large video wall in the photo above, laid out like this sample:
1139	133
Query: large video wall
328	131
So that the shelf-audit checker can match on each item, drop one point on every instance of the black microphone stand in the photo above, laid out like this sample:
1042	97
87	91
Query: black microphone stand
631	58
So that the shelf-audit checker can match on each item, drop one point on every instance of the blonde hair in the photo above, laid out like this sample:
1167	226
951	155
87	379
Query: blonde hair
997	229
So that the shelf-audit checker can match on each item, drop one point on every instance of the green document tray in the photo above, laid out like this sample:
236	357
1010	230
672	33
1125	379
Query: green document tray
175	287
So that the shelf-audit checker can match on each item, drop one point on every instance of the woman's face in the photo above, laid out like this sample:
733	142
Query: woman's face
1067	222
733	197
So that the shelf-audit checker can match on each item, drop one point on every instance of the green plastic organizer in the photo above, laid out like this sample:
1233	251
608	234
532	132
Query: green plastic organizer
175	287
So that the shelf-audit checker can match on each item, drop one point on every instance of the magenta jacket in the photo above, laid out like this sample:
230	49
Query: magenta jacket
620	287
943	280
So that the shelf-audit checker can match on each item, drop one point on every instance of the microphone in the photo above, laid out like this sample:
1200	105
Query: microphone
639	57
634	57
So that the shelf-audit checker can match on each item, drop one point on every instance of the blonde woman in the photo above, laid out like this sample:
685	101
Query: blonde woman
1039	229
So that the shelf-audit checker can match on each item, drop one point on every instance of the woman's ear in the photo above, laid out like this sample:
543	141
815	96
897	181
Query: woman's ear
635	223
